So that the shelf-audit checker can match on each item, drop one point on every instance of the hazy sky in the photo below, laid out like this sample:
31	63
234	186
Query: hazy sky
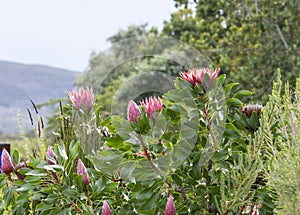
63	33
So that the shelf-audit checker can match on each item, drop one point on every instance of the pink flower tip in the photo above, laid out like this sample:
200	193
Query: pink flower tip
82	98
51	153
196	76
7	165
133	111
106	209
255	209
151	105
81	170
170	207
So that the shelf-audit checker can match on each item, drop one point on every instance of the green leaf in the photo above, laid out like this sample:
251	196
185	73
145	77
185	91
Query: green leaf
43	207
221	79
15	156
127	169
207	80
23	171
229	87
26	187
254	120
74	150
62	152
78	182
37	196
199	89
22	198
32	179
234	102
220	155
36	173
51	199
71	193
242	93
3	179
176	179
181	83
231	130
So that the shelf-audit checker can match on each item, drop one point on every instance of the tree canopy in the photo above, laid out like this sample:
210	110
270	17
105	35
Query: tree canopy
249	40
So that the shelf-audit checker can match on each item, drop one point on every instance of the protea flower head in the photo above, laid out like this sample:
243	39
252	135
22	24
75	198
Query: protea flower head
196	75
249	109
82	98
81	170
50	153
151	105
133	111
170	207
7	165
106	209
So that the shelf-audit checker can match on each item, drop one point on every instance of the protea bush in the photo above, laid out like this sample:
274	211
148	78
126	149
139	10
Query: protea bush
196	150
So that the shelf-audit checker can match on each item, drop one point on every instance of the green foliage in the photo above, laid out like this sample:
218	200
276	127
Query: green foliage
282	138
247	39
200	148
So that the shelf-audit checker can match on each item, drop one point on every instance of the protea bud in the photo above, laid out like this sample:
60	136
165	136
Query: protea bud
249	109
196	75
106	209
170	207
81	170
133	111
51	154
7	165
151	105
82	98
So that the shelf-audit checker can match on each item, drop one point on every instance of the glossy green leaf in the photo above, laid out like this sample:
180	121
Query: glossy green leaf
234	102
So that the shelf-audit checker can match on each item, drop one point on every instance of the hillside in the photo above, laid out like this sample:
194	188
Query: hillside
20	82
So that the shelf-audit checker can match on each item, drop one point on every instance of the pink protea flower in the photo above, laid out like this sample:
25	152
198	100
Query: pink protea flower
7	165
170	207
196	75
82	98
151	105
81	170
106	209
133	111
50	153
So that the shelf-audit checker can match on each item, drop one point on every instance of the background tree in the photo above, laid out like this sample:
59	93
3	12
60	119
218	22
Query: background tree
139	63
247	39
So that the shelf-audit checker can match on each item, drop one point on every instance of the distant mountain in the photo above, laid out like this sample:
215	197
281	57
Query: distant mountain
20	82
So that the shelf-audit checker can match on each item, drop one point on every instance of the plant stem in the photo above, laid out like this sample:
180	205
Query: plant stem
76	207
89	199
147	154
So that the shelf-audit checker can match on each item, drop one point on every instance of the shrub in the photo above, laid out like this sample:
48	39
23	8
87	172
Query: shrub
202	152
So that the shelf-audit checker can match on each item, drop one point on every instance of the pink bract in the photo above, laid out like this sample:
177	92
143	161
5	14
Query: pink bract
170	207
133	111
84	97
7	165
151	105
81	170
106	209
196	75
50	153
